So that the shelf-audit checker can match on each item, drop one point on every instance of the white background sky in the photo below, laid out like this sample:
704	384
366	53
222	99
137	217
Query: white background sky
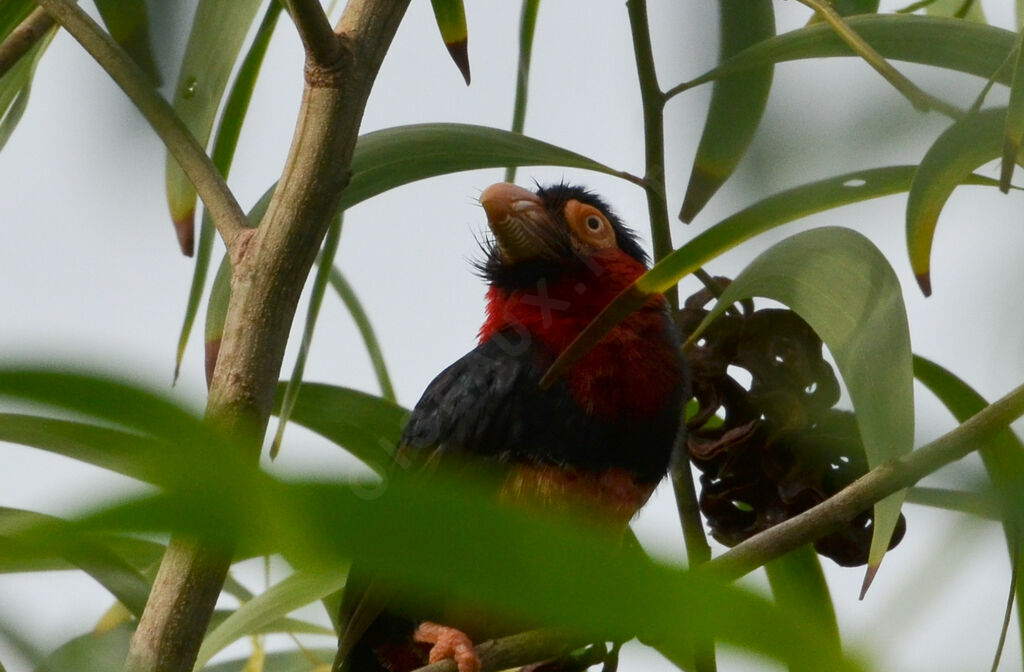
90	272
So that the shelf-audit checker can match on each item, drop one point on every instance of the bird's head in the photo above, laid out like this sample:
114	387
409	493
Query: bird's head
560	230
557	257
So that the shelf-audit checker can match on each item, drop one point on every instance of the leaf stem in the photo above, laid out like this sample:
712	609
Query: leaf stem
874	486
322	44
921	100
24	37
210	185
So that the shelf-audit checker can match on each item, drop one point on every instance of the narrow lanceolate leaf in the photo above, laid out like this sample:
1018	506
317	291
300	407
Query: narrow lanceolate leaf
223	153
12	13
798	583
527	26
964	46
16	84
367	426
961	148
762	216
218	30
451	20
1003	458
1014	119
395	156
216	314
298	590
954	8
127	21
91	652
845	289
316	299
737	103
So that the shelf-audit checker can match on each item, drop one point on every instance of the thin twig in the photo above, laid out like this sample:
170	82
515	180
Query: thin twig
322	44
227	215
874	486
921	100
23	38
527	25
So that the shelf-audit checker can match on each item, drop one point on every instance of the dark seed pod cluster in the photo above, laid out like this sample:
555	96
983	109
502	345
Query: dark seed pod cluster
782	447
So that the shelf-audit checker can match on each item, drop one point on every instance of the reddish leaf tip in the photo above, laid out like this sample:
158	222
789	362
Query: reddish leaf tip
212	350
460	54
184	226
924	281
869	576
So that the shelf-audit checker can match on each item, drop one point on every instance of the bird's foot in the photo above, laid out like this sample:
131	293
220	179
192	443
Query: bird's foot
448	643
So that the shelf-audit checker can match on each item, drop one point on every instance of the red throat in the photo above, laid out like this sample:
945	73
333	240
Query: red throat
630	370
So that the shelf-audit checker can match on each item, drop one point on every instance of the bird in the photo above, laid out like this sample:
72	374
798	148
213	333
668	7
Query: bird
598	439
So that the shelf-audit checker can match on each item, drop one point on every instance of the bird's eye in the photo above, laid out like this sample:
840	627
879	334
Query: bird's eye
594	223
589	226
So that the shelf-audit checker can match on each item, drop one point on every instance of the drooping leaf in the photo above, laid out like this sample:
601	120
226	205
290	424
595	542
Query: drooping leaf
316	298
367	426
16	85
451	20
954	8
963	46
223	153
527	26
798	583
355	308
392	157
773	211
298	590
218	30
737	103
961	148
127	21
1003	458
841	285
1014	131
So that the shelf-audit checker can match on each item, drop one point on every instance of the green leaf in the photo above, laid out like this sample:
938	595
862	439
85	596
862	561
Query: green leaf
298	590
12	13
844	288
216	314
451	20
218	30
964	46
954	8
527	27
91	652
223	153
798	584
737	103
1014	130
355	308
855	7
308	660
369	427
316	298
81	550
16	84
961	148
1003	456
392	157
973	503
127	21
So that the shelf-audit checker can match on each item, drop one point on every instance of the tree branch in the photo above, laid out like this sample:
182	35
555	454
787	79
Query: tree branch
516	650
860	495
23	38
322	44
268	273
227	215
